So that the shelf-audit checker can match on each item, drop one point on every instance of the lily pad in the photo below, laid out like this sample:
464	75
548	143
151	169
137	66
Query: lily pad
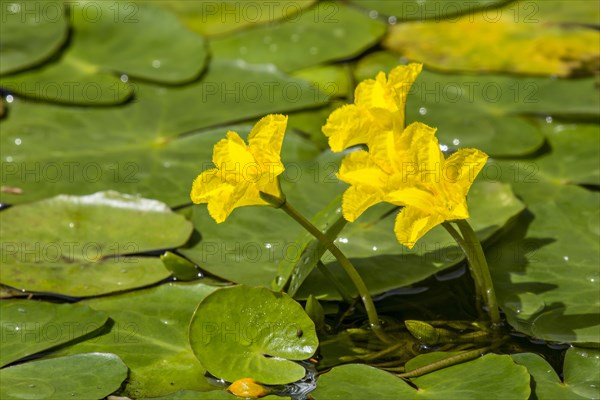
489	112
572	12
70	82
581	372
150	334
83	245
384	264
212	395
245	332
82	376
406	10
30	33
501	40
491	377
214	18
29	327
545	270
125	38
574	156
329	31
144	147
333	80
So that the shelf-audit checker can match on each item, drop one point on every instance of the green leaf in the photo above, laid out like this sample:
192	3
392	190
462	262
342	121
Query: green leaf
522	43
545	270
150	334
406	10
384	264
83	245
574	156
572	12
316	313
214	18
119	38
581	372
245	332
333	80
30	33
310	122
491	377
144	147
489	112
181	268
212	395
82	376
29	327
70	82
329	31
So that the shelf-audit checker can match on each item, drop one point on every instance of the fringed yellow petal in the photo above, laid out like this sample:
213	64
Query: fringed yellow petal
412	223
371	93
400	80
231	156
461	169
266	137
206	185
413	197
347	126
420	151
357	199
358	168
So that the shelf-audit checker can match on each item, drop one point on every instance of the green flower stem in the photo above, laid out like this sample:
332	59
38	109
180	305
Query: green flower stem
471	247
475	273
335	282
452	360
345	264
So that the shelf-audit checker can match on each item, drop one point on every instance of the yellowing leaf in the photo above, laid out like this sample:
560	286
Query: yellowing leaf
498	40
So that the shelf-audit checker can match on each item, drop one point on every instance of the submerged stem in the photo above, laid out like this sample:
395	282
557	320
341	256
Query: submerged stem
345	264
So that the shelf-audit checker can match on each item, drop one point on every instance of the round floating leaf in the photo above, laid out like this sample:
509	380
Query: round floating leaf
29	327
150	334
490	377
327	32
522	43
406	10
82	376
82	245
140	148
333	80
572	12
245	332
212	395
30	33
581	372
112	40
213	18
574	156
69	82
181	268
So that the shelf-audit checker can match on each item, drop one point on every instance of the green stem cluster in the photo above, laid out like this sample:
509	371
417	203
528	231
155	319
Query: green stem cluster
358	282
471	247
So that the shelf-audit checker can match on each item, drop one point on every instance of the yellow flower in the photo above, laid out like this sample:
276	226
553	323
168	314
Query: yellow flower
242	171
378	108
407	168
248	388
